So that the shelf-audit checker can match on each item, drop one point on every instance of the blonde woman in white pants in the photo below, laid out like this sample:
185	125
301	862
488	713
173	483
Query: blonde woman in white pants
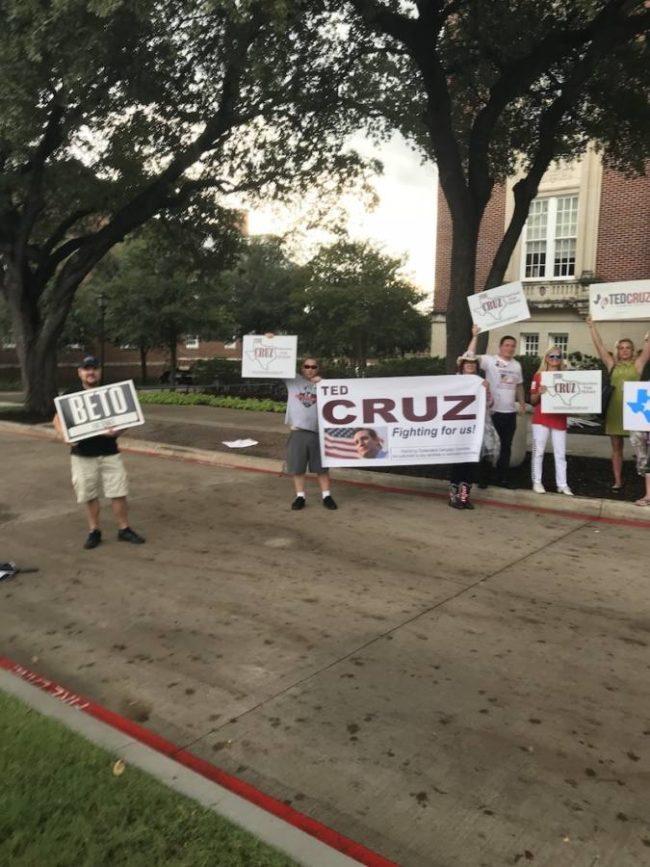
545	423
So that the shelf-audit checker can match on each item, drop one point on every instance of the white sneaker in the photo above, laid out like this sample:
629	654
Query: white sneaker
567	491
539	488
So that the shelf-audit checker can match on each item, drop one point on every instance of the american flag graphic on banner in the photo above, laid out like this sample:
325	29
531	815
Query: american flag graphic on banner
339	442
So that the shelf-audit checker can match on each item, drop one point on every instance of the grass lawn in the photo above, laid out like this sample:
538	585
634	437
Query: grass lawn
61	804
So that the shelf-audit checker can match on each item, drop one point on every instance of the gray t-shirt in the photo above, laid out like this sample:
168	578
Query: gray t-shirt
301	404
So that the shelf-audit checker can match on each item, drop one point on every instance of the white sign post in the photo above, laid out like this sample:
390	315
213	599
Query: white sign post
401	420
636	406
94	411
572	392
269	357
500	306
627	300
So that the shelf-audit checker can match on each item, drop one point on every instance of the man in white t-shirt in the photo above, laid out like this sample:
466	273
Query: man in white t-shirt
506	381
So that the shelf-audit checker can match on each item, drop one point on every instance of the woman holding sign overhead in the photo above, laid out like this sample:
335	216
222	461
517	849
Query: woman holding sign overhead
622	367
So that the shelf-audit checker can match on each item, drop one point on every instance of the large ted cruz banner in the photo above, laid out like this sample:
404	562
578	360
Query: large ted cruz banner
401	420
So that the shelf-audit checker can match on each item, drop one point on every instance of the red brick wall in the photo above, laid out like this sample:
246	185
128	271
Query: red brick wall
121	363
491	233
623	251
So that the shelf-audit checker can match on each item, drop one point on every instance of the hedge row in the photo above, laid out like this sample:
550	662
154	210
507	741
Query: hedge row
199	399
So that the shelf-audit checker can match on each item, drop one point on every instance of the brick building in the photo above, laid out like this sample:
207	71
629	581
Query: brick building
123	362
588	223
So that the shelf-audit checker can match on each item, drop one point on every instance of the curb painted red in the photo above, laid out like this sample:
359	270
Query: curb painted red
211	772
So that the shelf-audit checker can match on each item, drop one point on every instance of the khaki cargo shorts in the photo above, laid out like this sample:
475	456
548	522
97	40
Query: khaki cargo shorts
91	476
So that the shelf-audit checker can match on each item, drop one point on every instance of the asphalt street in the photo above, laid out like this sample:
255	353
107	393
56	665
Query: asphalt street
450	689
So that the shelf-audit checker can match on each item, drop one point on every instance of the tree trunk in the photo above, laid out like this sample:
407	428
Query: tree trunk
143	364
173	361
461	286
38	368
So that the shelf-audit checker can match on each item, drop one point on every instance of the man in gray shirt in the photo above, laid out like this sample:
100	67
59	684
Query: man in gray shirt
303	447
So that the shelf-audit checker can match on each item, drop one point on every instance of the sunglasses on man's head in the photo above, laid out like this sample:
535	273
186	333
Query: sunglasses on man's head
310	366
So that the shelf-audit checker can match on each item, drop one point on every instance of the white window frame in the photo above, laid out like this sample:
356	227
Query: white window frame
191	341
561	340
551	224
523	347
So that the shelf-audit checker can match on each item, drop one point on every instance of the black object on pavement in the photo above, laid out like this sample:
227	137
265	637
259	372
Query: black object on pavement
11	569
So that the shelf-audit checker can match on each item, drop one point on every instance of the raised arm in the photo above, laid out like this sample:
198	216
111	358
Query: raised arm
605	356
641	360
471	346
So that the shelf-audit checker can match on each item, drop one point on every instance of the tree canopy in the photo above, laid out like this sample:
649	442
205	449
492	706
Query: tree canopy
484	88
162	284
166	105
261	288
356	304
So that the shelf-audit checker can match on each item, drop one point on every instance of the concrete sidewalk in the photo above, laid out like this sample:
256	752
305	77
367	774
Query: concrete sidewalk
211	424
449	689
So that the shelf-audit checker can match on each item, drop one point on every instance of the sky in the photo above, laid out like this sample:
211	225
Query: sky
404	221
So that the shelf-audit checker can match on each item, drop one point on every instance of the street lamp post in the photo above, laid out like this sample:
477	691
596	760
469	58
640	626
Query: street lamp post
103	303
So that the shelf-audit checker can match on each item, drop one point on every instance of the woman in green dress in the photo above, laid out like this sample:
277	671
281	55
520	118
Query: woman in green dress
622	367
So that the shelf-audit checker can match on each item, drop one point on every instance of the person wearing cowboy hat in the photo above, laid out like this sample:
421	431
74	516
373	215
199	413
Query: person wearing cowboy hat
463	476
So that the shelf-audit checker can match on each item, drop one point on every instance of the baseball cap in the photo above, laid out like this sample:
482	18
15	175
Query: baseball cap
89	361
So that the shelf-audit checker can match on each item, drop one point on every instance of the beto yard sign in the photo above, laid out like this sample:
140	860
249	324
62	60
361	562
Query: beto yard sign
401	420
502	305
94	411
627	300
269	357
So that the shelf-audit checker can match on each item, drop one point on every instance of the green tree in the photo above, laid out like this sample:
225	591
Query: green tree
483	88
113	113
261	288
163	284
355	303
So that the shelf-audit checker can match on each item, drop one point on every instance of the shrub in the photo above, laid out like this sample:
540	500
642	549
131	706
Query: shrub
216	370
199	399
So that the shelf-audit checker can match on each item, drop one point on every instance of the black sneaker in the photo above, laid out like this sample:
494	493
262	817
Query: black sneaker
329	503
298	504
93	540
129	535
504	483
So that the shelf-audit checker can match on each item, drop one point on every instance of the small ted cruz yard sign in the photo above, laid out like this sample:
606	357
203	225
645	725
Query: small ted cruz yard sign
269	357
572	391
627	300
502	305
94	411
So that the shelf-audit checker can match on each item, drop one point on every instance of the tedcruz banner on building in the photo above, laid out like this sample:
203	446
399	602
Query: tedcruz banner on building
636	406
269	357
97	410
572	392
401	420
502	305
628	300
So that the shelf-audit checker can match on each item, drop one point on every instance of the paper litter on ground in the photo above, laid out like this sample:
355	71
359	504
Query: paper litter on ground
239	444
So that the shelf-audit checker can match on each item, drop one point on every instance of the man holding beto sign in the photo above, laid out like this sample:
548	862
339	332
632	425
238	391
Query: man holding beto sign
96	463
